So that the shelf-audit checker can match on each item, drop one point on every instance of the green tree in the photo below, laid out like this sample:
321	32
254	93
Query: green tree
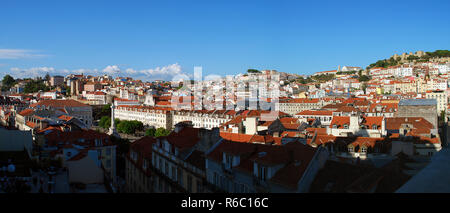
253	71
443	115
161	132
7	82
323	77
364	78
106	109
47	77
35	86
129	127
105	122
150	132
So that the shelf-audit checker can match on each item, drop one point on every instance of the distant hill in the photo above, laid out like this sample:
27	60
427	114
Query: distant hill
418	57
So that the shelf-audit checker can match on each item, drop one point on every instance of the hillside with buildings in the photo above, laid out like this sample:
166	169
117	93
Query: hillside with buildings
260	131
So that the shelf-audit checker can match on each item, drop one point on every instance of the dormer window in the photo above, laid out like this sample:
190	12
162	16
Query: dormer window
363	149
345	126
334	126
350	149
374	126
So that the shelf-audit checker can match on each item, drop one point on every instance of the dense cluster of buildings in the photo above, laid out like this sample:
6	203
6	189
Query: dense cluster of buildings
278	134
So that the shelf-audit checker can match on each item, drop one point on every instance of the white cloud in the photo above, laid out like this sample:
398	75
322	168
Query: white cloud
19	53
130	71
32	72
171	70
111	70
159	73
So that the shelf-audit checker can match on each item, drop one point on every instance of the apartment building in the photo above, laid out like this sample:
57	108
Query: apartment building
294	106
80	150
441	99
151	116
357	125
69	107
138	166
179	159
324	116
207	119
234	167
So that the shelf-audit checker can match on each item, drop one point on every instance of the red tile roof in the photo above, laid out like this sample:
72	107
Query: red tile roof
59	103
318	112
26	112
293	157
339	121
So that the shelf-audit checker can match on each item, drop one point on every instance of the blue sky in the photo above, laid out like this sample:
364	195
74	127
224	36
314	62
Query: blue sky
154	39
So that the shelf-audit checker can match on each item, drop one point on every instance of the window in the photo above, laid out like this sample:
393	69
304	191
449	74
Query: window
228	161
345	126
374	126
350	149
180	176
216	179
262	173
199	186
189	183
160	185
174	177
108	151
363	149
144	164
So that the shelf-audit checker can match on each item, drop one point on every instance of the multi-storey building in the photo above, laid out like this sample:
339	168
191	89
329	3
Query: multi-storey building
324	116
204	118
179	159
56	80
151	116
235	167
426	108
98	97
441	99
138	166
355	125
89	156
297	105
56	108
92	86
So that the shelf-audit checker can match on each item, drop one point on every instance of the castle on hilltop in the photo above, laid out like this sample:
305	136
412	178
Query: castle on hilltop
404	56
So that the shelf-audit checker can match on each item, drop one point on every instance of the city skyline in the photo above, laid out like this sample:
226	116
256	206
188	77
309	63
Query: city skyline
157	40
